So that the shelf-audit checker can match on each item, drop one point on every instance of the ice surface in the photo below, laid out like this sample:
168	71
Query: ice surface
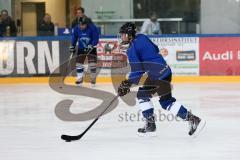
30	130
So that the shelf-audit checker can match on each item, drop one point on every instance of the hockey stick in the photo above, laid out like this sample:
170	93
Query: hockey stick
69	138
70	58
69	61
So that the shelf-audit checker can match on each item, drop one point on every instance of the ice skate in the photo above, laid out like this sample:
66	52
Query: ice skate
149	129
79	82
196	124
93	83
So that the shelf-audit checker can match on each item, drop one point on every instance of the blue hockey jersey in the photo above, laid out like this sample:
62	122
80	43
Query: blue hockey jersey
88	36
1	30
144	57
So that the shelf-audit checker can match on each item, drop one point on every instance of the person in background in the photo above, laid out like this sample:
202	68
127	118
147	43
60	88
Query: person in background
46	27
80	14
151	26
8	26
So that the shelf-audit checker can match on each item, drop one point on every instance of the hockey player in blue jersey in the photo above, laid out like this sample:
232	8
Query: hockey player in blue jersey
144	57
87	36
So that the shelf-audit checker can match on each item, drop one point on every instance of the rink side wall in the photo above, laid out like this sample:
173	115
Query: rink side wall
193	58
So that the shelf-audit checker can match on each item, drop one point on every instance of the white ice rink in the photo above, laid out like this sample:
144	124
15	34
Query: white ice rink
29	129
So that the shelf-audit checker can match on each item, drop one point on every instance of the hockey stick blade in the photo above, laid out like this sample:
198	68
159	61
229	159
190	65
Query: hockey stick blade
69	138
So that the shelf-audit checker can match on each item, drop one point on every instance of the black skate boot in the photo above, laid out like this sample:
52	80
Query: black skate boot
195	124
79	82
149	128
93	83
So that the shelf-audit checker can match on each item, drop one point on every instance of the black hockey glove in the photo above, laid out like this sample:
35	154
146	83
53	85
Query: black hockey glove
124	88
72	49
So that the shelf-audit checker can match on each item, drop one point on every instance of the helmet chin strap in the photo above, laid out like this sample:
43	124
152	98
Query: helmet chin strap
130	38
126	43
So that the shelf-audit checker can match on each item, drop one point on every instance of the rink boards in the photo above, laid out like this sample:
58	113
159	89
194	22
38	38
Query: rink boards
192	58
